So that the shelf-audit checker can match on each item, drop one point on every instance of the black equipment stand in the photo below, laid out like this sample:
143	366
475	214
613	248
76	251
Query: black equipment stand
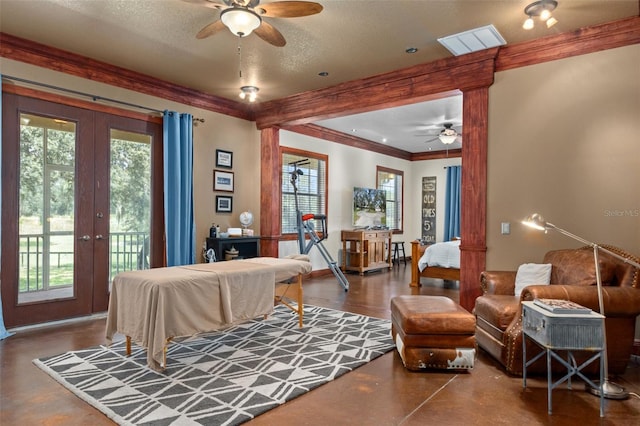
305	226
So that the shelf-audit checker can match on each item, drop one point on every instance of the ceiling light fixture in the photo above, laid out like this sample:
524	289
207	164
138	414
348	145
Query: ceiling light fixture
448	135
240	21
541	9
250	92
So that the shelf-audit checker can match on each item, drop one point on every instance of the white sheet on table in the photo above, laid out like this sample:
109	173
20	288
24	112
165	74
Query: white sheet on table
445	255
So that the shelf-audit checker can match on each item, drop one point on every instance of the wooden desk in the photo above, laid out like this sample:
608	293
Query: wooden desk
366	250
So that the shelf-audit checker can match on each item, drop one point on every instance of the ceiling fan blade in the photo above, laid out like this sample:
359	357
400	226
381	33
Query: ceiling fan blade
269	34
210	29
206	3
288	9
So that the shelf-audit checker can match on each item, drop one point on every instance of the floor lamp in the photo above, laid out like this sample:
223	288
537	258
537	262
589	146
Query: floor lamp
609	389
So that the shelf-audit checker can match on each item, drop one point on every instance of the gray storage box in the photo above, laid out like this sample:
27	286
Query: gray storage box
563	331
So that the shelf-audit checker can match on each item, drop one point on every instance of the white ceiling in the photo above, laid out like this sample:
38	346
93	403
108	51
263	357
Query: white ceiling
349	39
412	128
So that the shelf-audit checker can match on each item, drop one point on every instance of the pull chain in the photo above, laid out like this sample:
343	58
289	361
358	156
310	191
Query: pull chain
240	57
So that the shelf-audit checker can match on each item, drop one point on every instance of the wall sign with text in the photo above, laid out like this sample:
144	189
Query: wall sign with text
429	209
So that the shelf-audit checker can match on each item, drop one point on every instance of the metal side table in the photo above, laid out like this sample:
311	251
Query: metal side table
569	332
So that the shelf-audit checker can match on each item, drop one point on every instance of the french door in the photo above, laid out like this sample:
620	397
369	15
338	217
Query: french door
81	201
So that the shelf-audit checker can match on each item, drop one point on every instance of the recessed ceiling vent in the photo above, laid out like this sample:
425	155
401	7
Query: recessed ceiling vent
473	40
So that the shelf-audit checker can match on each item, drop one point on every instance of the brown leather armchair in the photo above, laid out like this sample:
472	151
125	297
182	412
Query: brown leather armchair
499	316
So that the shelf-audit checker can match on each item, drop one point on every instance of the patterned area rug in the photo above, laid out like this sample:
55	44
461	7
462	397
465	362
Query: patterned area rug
226	377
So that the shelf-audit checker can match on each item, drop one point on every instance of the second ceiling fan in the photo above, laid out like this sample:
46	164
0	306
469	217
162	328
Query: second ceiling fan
447	135
243	17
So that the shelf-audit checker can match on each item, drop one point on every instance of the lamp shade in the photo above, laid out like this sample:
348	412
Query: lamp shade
240	21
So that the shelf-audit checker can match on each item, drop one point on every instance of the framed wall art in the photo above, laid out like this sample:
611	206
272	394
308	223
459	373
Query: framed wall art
222	181
224	204
224	158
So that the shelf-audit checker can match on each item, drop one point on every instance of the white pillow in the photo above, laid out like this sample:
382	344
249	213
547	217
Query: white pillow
532	273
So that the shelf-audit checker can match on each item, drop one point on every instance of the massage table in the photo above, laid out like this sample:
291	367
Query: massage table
153	306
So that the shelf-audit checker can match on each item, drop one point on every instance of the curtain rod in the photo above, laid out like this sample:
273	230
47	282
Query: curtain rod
88	95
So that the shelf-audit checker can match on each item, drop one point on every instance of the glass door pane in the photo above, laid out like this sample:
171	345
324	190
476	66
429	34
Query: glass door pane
130	201
46	208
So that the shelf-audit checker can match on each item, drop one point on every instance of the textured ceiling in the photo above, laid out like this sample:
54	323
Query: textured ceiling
349	39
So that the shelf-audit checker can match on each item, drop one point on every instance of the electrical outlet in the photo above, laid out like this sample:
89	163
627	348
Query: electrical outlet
506	228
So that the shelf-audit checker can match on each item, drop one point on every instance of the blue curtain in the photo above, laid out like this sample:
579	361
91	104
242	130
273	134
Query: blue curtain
452	203
178	188
3	331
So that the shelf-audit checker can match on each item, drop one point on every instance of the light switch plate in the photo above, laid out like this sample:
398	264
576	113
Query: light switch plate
506	228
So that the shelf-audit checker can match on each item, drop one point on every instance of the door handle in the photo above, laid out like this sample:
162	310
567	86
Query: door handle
99	237
85	238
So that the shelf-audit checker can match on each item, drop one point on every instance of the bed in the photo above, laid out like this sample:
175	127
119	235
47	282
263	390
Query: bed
153	306
439	260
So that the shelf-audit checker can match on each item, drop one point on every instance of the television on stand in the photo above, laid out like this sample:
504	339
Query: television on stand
369	208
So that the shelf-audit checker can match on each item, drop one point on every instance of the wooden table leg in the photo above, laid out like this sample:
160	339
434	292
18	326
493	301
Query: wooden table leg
128	346
300	301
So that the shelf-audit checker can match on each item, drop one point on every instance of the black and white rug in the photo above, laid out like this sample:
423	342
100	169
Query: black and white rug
226	377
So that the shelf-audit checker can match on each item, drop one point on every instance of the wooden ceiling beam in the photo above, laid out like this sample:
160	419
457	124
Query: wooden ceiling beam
585	40
437	79
33	53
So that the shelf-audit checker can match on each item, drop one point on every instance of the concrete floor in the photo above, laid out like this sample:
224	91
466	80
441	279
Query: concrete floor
381	392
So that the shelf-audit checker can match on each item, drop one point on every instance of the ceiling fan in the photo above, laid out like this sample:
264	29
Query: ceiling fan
243	17
447	135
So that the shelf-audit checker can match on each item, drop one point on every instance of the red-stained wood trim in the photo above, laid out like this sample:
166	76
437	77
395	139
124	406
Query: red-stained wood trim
346	139
473	221
436	155
591	39
353	141
64	100
30	52
401	87
270	223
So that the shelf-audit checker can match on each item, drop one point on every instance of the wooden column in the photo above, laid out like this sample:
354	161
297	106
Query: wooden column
474	194
270	191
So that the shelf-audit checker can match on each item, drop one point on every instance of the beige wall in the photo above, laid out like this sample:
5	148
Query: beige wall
564	142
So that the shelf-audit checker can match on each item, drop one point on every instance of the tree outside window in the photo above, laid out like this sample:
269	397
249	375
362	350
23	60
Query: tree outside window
392	183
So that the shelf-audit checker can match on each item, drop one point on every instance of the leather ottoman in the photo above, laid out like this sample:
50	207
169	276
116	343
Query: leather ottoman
433	332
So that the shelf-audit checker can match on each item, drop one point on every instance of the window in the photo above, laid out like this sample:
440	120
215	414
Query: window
392	183
311	186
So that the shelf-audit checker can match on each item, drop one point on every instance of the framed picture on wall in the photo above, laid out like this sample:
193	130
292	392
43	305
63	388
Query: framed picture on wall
222	181
224	159
223	204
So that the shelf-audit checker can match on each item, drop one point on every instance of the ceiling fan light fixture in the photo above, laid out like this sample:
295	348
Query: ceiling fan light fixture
240	21
448	135
249	92
447	139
